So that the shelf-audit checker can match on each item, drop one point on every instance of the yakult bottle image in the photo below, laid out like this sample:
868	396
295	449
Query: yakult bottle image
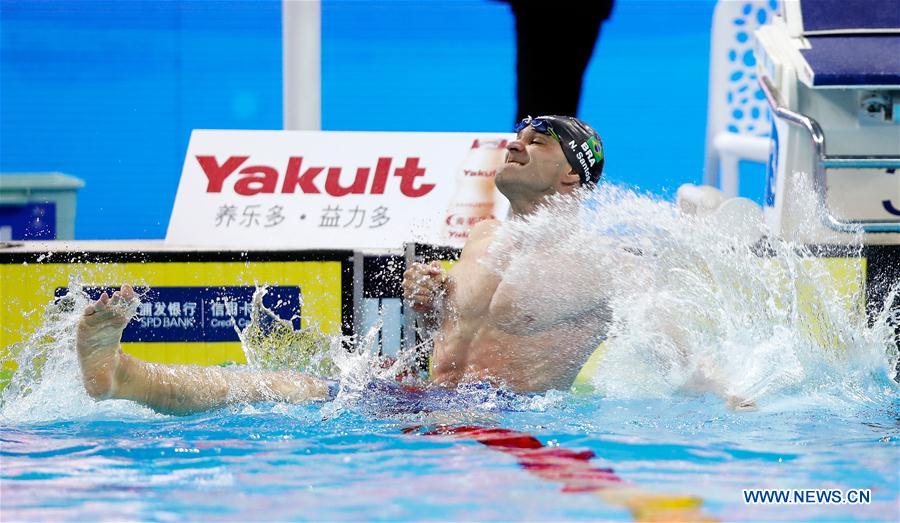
474	199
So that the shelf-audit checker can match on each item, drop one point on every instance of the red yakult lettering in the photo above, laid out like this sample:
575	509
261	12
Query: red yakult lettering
257	179
333	182
215	173
292	177
381	174
408	173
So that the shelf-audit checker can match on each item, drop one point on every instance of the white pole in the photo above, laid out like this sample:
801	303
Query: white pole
301	27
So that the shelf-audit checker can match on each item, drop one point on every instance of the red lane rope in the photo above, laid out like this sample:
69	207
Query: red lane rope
573	469
570	467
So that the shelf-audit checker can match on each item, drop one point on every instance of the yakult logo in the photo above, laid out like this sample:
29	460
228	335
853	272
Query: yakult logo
266	179
480	172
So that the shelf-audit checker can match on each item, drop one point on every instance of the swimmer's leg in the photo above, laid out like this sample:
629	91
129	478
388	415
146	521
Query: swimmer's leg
109	373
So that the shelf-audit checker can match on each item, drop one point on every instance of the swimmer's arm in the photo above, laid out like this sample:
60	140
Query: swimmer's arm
187	389
470	266
467	267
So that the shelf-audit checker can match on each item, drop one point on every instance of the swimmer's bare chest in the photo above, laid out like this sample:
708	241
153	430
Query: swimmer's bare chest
473	346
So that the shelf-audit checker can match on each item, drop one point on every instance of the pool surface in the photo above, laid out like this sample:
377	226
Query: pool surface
641	446
319	462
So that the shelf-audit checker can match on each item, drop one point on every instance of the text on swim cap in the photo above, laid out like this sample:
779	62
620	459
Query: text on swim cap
582	158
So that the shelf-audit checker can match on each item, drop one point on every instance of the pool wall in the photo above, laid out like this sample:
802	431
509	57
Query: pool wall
324	280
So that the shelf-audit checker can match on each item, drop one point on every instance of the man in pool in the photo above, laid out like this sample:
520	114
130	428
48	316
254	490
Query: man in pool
484	328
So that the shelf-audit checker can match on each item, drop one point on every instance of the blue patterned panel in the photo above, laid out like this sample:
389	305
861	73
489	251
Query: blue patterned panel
746	101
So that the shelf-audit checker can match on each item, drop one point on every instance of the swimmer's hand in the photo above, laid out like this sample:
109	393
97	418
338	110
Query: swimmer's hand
424	286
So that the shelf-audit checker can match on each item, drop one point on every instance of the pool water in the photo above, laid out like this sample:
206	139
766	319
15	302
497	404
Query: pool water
276	462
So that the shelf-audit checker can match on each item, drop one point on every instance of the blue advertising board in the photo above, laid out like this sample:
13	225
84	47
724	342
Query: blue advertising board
199	314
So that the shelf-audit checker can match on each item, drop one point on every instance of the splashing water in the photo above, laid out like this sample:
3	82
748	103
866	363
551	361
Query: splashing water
47	382
271	343
696	307
693	307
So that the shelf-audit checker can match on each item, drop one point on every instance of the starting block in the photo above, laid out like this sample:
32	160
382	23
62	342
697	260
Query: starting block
830	71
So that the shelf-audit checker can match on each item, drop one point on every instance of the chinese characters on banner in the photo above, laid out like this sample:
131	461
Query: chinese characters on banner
199	314
332	216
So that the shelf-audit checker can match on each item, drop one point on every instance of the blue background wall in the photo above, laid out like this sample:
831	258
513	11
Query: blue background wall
109	91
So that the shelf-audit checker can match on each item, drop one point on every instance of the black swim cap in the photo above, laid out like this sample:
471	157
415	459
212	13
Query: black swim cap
579	142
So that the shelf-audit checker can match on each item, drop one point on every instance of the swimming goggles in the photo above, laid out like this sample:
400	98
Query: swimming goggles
538	124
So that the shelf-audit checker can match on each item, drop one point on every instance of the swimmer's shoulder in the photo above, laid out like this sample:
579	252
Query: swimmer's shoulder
484	229
480	237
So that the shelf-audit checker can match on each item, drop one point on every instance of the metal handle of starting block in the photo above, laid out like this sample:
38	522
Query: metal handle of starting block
821	162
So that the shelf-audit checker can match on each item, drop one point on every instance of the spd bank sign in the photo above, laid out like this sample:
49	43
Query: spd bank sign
335	190
199	314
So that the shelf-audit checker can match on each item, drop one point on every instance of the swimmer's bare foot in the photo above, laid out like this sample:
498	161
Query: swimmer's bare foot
99	334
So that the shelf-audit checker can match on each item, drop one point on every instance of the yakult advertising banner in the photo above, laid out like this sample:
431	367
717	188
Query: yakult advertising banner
335	190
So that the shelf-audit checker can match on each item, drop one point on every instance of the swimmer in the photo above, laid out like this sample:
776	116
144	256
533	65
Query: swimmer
484	328
487	328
